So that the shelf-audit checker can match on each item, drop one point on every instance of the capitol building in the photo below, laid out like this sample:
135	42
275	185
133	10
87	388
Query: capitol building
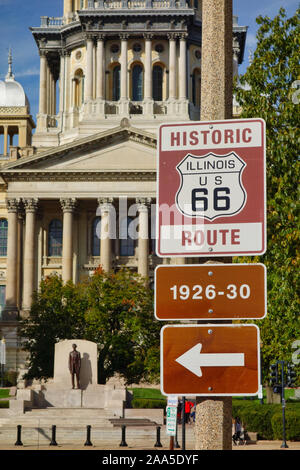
80	176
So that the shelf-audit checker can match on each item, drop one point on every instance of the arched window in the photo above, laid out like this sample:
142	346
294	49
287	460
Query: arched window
157	83
126	241
79	88
55	238
137	83
3	237
96	236
196	87
116	83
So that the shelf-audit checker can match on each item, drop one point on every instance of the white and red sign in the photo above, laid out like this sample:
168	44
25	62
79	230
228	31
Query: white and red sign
211	188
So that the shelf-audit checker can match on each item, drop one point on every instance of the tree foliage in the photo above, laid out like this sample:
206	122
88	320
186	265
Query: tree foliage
268	90
57	313
114	310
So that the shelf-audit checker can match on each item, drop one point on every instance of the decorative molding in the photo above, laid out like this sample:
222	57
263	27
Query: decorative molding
80	176
105	204
143	203
68	204
13	205
31	204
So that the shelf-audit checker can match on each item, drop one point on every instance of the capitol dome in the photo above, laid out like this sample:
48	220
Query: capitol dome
11	91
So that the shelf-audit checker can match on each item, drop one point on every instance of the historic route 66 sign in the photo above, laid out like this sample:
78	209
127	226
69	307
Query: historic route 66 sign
211	192
211	185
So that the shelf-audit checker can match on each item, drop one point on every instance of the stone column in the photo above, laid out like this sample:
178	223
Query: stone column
62	83
143	240
68	103
105	208
5	140
68	206
31	206
124	75
43	83
12	255
172	67
88	91
148	67
214	415
148	98
182	67
100	68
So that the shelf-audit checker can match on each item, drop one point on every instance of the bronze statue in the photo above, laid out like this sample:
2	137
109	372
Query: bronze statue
74	365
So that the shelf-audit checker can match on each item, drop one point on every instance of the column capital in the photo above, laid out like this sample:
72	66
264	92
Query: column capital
90	36
105	204
68	204
13	204
148	36
183	36
143	203
101	37
172	36
124	36
31	204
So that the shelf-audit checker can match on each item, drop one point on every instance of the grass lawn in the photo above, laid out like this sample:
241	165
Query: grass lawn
155	394
4	392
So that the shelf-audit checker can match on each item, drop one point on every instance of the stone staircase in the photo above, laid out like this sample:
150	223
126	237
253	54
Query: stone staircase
71	428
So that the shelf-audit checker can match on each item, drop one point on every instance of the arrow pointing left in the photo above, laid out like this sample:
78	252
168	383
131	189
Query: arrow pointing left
193	359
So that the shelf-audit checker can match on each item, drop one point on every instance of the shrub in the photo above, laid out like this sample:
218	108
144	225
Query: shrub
148	403
259	418
4	404
292	425
10	378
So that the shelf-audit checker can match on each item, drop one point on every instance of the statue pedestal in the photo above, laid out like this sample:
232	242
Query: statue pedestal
60	398
58	392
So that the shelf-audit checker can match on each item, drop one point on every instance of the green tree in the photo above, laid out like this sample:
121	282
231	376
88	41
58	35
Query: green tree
120	319
267	90
114	310
57	313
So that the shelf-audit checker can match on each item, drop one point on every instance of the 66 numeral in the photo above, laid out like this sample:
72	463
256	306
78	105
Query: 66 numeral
196	292
200	201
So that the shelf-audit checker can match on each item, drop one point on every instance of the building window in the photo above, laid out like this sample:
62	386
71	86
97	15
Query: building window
116	83
137	83
126	241
3	237
96	236
196	87
157	83
79	88
55	238
2	298
137	47
114	48
159	48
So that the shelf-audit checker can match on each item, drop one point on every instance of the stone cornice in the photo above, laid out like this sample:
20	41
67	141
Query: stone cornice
99	140
51	175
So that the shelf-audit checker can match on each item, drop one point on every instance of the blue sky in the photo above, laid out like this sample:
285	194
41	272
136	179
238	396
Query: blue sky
18	15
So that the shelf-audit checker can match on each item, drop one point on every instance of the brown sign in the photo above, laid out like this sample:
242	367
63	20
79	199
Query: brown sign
210	360
210	292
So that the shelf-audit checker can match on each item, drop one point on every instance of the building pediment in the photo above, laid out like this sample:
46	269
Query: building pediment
122	150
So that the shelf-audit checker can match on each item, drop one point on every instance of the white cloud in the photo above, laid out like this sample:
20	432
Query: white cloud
27	73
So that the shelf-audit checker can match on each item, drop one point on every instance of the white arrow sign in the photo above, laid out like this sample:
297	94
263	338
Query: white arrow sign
193	360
